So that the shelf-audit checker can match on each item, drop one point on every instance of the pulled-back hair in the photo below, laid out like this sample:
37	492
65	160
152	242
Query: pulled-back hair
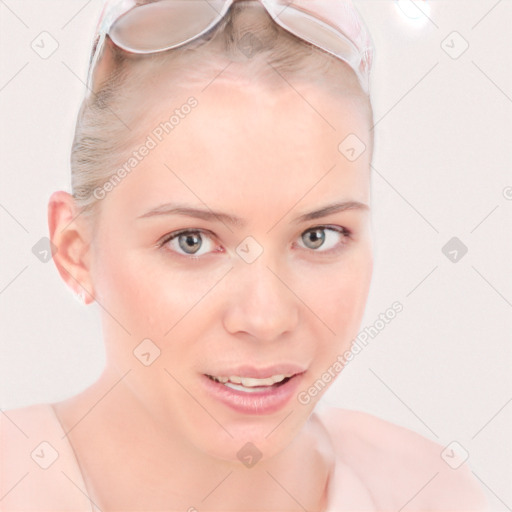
106	129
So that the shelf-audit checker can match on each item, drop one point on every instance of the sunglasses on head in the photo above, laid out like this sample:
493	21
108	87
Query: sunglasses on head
146	27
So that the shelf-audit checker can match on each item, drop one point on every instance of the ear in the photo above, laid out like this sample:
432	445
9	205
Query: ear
71	235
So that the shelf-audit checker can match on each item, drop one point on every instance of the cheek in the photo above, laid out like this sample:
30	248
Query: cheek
126	287
341	294
151	294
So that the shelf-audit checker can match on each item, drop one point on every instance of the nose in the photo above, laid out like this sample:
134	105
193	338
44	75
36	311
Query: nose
260	303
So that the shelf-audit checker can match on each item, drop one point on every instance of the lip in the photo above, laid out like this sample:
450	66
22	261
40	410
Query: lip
260	373
260	402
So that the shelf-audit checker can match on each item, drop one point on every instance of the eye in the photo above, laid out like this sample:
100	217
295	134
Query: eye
189	242
324	238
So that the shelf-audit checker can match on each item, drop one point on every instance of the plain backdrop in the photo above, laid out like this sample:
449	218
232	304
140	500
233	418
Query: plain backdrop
442	95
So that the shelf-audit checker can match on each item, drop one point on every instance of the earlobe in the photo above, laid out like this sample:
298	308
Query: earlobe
70	233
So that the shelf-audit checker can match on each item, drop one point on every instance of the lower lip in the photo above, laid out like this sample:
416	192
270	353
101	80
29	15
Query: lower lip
260	402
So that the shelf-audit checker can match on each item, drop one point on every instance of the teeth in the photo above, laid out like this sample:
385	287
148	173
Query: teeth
239	387
249	382
252	383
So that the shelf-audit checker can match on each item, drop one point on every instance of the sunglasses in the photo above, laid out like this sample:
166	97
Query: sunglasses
153	26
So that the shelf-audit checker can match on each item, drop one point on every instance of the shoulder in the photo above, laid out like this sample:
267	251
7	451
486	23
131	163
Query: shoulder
19	429
38	469
402	469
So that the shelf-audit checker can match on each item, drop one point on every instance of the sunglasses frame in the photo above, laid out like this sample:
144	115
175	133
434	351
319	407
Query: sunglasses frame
357	38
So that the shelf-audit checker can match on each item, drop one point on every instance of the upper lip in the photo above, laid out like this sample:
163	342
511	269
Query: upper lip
259	373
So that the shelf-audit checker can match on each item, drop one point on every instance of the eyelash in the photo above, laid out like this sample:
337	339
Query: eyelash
347	234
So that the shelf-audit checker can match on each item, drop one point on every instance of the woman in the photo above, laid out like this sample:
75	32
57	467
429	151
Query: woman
220	218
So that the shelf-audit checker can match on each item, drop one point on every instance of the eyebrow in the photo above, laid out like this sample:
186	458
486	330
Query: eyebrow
212	216
330	209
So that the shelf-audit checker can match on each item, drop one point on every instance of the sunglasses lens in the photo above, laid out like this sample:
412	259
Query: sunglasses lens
166	24
317	32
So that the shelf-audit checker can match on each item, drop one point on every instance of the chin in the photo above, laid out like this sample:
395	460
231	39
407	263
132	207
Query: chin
249	439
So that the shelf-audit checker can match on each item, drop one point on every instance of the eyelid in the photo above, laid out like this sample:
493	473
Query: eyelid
333	227
170	236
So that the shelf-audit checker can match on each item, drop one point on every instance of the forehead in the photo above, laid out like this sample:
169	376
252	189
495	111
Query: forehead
243	141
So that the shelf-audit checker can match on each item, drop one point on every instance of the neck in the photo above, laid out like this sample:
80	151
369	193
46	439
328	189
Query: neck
130	459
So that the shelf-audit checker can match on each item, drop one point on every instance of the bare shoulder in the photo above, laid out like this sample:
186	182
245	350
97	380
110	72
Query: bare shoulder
38	470
17	427
401	468
22	430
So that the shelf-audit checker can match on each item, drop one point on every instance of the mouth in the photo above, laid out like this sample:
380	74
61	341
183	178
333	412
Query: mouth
250	391
252	385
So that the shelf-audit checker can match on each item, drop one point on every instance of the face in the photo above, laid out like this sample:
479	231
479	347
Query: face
219	250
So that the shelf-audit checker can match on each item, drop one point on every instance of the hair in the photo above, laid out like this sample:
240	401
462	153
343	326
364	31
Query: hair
247	35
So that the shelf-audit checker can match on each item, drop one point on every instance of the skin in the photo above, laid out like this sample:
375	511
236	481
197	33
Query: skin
267	157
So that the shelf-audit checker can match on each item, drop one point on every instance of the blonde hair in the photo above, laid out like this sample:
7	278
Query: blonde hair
247	35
